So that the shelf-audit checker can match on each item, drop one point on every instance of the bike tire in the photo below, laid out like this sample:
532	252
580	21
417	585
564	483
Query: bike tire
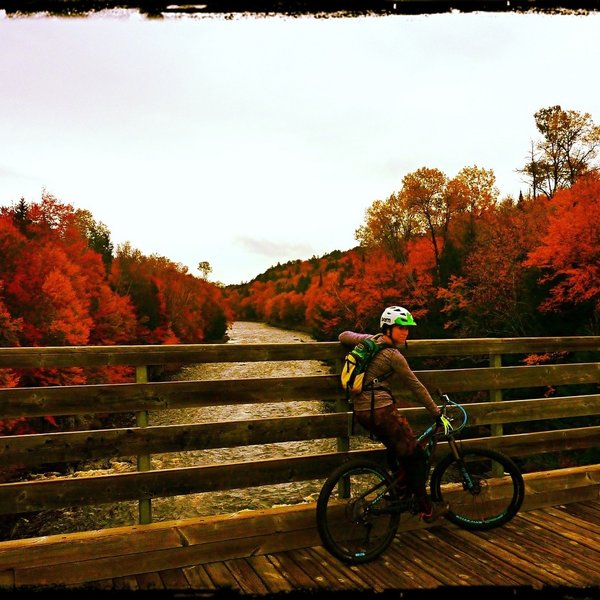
352	529
498	494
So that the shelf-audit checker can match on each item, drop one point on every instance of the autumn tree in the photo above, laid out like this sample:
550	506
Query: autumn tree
389	225
131	276
45	292
97	235
470	194
19	215
567	150
568	256
12	243
204	268
326	313
171	305
43	283
286	309
194	307
492	296
253	303
473	192
10	330
352	296
425	191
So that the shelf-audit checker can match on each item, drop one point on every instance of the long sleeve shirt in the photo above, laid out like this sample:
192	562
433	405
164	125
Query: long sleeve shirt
386	360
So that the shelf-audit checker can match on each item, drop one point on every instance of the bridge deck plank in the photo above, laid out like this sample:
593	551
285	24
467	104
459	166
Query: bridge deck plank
423	566
530	549
198	578
471	559
150	581
246	576
174	579
328	579
567	521
272	578
289	569
222	577
455	561
128	583
331	564
588	511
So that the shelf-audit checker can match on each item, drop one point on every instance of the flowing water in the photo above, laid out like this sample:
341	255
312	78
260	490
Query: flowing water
210	503
250	498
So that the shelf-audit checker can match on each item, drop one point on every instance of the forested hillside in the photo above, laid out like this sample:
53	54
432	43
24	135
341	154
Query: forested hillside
63	284
466	262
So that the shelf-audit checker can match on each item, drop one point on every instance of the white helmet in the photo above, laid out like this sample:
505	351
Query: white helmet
396	315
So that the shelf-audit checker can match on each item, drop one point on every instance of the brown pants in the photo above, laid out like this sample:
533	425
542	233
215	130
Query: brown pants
405	455
391	428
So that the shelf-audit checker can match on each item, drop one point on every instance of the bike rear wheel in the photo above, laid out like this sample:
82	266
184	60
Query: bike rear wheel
484	488
357	512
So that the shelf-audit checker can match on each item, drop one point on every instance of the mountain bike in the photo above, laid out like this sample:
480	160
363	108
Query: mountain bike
361	502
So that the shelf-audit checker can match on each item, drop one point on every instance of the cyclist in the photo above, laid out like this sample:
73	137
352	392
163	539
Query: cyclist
406	457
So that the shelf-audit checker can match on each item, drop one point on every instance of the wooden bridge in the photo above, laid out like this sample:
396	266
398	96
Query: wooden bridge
554	541
547	549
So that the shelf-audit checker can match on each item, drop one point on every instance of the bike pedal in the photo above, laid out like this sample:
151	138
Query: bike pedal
438	510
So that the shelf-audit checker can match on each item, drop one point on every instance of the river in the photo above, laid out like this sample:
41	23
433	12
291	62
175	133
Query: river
211	503
251	498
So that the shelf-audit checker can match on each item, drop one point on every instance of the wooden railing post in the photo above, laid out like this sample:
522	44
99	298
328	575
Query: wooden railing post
342	405
496	395
143	460
343	443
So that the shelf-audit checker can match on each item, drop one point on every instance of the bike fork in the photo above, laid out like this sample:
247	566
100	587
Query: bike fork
466	477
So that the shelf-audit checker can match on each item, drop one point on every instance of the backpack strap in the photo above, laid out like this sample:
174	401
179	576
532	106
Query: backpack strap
352	403
372	385
371	434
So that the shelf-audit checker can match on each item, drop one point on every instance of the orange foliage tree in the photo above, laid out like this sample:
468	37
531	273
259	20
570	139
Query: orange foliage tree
492	296
352	296
10	330
58	289
568	255
172	306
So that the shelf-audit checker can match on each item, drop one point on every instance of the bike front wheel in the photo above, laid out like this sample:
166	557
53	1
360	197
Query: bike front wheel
358	511
484	488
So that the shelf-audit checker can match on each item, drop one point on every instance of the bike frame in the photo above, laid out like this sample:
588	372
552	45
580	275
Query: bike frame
429	439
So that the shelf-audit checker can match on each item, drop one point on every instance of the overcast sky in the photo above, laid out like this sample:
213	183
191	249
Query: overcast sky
250	141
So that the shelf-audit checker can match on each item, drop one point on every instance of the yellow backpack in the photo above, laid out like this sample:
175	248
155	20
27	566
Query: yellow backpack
356	363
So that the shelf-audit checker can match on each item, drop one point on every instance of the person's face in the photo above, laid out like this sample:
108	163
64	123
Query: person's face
399	334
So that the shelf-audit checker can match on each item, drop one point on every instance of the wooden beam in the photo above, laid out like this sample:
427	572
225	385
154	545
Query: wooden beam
32	496
38	449
130	397
87	356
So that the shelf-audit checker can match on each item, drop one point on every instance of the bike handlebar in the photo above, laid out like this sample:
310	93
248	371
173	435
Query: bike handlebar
447	401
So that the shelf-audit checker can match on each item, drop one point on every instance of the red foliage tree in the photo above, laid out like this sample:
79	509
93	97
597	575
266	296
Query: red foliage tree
569	252
10	330
171	305
353	296
490	297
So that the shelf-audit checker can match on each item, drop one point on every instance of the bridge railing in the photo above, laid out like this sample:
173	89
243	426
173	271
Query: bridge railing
36	450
